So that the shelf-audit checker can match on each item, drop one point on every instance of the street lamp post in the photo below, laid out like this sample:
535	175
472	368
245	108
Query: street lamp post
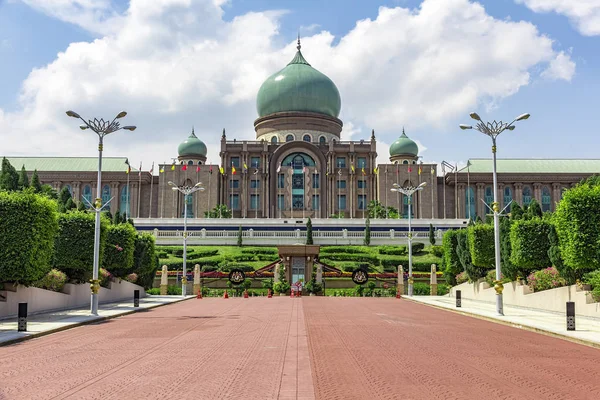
493	129
409	191
101	128
186	191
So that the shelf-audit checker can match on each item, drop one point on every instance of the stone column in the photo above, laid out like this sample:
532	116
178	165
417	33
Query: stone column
116	198
501	195
462	196
319	277
537	193
77	193
518	197
197	283
433	280
555	195
480	209
400	288
164	280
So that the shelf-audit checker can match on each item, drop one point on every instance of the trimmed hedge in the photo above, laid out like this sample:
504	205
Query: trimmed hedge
393	250
530	244
119	249
145	260
451	265
481	245
419	266
74	245
229	266
417	247
28	226
362	257
342	249
260	250
437	251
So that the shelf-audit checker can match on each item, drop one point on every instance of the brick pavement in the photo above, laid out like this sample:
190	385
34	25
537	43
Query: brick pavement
282	348
393	349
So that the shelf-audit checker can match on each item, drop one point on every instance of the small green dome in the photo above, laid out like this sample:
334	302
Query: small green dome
404	146
298	87
192	146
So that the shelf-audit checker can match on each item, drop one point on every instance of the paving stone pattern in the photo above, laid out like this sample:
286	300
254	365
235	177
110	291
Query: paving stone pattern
282	348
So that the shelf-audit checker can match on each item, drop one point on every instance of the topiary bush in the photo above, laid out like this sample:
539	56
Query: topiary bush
145	259
119	249
417	247
343	249
28	226
393	250
481	245
593	279
74	245
530	244
437	251
451	265
54	280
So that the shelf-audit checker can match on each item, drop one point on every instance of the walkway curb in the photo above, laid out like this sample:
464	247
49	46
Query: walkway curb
511	324
90	321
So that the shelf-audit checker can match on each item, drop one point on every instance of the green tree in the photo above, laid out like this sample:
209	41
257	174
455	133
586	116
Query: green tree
431	235
534	209
81	206
377	210
577	223
28	225
35	182
309	231
481	245
70	205
367	232
117	218
239	238
516	212
451	264
220	211
63	200
49	192
464	255
509	270
556	258
23	179
145	259
9	178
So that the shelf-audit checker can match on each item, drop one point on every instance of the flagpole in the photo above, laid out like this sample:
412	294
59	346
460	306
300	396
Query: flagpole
338	189
418	195
304	197
386	193
151	184
139	190
231	190
469	187
400	206
127	207
291	194
162	195
351	191
433	184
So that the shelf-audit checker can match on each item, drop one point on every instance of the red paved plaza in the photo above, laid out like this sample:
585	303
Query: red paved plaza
282	348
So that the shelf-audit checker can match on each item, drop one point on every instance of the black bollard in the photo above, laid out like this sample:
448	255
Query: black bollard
136	298
458	299
570	315
22	319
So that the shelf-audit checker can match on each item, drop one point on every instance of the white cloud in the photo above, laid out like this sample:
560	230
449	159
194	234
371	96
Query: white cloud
176	63
585	14
562	67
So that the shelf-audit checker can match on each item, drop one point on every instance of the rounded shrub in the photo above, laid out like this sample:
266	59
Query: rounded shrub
28	227
54	280
119	249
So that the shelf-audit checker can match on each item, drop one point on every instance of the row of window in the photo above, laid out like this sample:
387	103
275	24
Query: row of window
306	138
507	197
86	196
297	202
340	162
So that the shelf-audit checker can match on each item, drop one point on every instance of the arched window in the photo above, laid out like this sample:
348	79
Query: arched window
124	201
69	188
489	195
105	194
199	162
526	195
322	140
307	138
274	139
546	199
289	138
405	162
86	194
190	162
507	197
414	162
405	207
470	203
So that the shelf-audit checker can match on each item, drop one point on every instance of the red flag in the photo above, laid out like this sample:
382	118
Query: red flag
210	170
409	170
184	167
198	168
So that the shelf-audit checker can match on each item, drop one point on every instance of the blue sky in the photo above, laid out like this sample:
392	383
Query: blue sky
562	102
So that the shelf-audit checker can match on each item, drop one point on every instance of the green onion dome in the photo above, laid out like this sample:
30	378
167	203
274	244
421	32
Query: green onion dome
298	87
192	146
404	146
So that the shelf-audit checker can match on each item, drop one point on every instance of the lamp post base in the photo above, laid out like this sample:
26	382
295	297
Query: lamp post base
94	303
499	306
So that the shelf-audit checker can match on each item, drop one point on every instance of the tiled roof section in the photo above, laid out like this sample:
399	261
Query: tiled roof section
534	166
76	164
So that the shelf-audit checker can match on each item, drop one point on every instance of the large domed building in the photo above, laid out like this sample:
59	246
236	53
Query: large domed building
298	166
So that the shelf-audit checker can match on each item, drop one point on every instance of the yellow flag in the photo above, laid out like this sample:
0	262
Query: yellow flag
162	170
222	170
173	167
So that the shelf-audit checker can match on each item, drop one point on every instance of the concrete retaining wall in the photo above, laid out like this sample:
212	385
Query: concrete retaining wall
73	296
517	294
